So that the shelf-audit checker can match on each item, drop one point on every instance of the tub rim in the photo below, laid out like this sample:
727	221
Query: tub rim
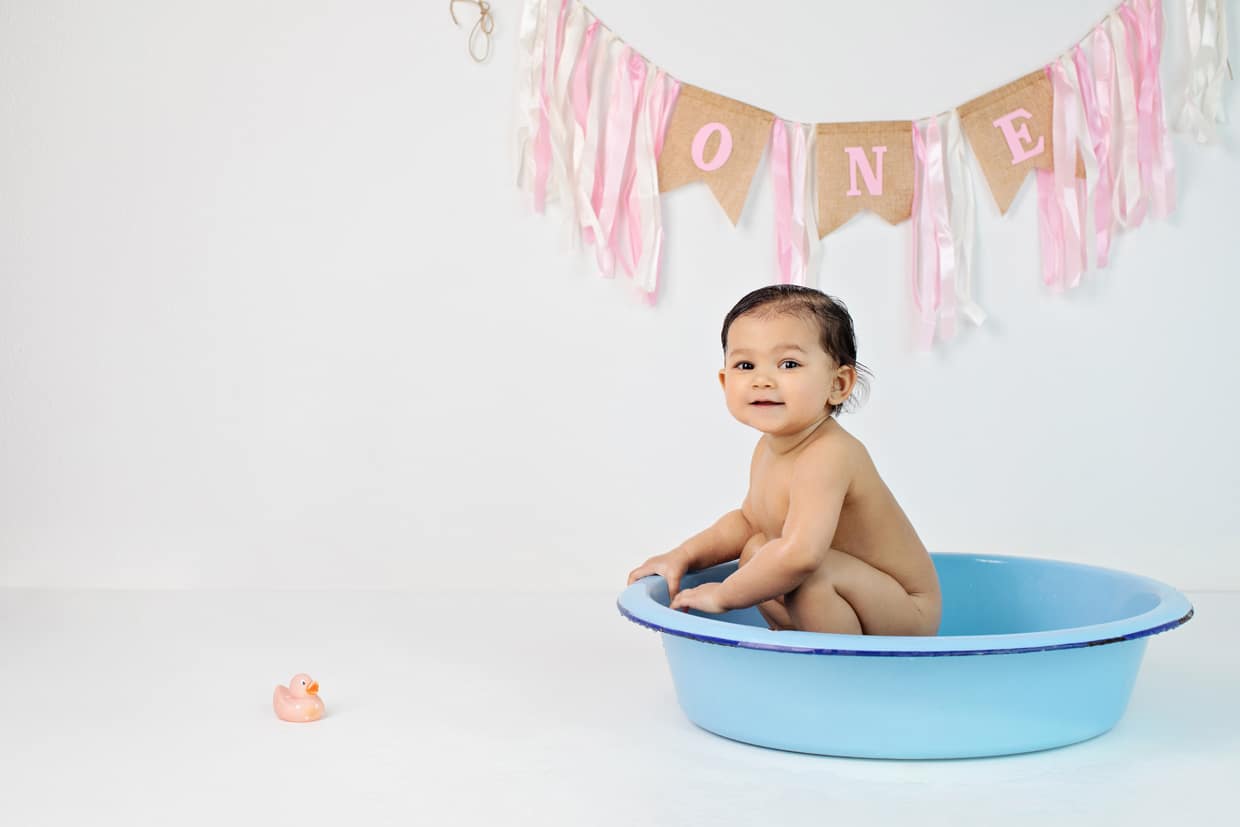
637	604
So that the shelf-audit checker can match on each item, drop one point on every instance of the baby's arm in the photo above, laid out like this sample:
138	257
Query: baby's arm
721	542
726	539
816	495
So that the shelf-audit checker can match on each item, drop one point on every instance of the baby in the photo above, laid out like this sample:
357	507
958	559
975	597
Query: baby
823	546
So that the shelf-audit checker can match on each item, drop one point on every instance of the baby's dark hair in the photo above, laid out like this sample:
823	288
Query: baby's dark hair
834	324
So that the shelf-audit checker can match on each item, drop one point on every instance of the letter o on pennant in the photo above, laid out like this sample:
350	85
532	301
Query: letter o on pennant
721	154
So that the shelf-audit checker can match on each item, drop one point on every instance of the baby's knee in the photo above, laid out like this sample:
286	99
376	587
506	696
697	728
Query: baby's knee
830	579
754	543
827	574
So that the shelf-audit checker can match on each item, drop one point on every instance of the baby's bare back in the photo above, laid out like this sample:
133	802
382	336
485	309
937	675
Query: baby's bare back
871	527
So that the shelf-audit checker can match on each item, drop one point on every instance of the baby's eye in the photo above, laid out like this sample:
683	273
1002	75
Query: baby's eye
789	363
744	365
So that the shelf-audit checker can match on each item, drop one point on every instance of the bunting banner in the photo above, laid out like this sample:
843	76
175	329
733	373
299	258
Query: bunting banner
602	132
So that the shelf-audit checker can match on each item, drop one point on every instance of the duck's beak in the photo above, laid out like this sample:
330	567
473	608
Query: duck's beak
313	688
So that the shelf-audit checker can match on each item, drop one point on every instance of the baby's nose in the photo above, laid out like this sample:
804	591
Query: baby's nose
761	380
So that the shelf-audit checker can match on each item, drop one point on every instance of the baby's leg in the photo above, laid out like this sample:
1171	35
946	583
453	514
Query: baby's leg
849	596
773	610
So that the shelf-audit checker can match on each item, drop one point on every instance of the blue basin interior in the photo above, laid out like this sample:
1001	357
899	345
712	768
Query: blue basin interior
993	596
1002	598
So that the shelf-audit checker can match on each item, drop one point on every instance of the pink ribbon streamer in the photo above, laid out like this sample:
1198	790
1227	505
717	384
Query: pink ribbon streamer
1050	231
1069	132
936	191
1129	199
616	157
934	255
1143	21
1097	97
782	182
629	227
1061	195
542	140
565	131
914	247
660	114
627	241
1164	157
1138	44
579	85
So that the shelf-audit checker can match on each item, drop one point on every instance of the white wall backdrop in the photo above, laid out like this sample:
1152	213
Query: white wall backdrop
272	312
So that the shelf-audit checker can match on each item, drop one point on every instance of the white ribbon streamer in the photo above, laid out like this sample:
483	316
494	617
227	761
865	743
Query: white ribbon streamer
529	70
1128	179
548	36
963	207
585	165
1207	69
813	242
561	121
1068	121
646	182
802	166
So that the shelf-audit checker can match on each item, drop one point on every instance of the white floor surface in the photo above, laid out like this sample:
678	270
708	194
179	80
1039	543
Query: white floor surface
152	707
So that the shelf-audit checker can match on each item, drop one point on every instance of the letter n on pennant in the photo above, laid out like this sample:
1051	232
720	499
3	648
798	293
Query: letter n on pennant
863	166
857	160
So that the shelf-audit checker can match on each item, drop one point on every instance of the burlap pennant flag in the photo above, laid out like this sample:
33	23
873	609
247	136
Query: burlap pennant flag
864	166
1009	130
717	140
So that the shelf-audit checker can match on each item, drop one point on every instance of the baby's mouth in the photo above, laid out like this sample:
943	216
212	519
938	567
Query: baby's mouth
765	402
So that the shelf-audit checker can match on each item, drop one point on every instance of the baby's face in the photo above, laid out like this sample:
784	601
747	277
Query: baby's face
776	376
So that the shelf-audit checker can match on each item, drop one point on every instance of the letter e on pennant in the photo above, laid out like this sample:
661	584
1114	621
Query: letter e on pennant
1018	137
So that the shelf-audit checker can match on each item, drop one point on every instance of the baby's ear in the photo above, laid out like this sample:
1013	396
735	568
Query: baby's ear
844	383
723	377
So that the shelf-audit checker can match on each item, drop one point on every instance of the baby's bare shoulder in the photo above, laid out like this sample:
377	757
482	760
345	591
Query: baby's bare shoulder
834	454
835	444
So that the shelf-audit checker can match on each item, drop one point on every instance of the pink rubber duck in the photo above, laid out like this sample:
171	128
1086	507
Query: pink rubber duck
298	702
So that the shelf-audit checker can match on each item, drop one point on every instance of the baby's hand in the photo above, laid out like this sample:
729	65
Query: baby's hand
707	597
672	566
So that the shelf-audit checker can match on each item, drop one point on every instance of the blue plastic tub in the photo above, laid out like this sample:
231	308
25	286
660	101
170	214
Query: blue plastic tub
1031	654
